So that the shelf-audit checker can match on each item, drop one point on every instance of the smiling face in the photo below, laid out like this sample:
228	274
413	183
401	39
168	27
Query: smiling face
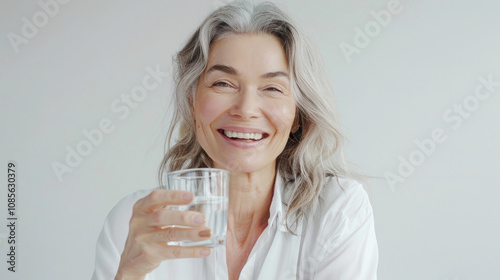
243	107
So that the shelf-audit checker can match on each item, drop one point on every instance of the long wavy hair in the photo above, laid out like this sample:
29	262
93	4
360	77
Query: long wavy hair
312	153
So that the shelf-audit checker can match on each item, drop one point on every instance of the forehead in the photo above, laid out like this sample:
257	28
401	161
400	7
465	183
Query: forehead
249	52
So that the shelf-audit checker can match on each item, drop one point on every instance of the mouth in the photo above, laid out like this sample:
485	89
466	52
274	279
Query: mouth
243	136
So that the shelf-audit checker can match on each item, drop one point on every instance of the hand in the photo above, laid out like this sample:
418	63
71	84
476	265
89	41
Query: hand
146	246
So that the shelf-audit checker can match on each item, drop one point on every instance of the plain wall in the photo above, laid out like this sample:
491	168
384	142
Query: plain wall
407	82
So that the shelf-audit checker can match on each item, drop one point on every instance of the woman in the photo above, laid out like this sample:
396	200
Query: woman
252	98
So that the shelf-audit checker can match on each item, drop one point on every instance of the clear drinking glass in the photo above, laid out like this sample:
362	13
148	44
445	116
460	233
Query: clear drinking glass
210	190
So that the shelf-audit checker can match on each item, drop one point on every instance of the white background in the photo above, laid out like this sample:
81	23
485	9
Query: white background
441	223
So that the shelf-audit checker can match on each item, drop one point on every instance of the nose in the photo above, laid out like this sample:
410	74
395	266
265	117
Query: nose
246	104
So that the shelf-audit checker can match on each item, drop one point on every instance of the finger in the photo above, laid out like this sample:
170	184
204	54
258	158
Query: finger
166	217
179	234
159	198
176	252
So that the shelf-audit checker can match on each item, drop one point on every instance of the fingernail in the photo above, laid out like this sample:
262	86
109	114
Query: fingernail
198	219
204	233
205	252
186	196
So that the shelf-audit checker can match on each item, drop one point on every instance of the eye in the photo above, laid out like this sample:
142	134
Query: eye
273	89
221	84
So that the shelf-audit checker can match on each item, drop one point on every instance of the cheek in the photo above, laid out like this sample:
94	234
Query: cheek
208	109
282	115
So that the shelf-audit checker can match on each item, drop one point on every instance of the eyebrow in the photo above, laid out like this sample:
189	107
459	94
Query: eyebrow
230	70
223	68
275	74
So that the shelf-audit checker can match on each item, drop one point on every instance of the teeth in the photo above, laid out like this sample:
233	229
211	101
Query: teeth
243	135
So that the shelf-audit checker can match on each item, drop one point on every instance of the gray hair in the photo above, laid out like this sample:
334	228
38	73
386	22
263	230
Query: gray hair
313	152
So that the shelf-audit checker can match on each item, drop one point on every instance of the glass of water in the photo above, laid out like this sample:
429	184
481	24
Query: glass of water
210	188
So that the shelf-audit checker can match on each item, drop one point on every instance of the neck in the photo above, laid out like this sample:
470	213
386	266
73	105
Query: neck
250	197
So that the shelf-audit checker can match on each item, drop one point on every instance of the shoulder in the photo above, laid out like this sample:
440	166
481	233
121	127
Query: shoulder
344	196
343	208
339	240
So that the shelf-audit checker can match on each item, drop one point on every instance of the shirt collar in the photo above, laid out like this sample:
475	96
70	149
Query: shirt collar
276	211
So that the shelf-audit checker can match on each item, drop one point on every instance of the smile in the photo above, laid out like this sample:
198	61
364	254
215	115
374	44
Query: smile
235	135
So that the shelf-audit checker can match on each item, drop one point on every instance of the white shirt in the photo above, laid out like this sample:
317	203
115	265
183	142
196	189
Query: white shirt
338	243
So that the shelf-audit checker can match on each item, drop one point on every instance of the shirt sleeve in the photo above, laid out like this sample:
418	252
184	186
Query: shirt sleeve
352	252
107	255
111	240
